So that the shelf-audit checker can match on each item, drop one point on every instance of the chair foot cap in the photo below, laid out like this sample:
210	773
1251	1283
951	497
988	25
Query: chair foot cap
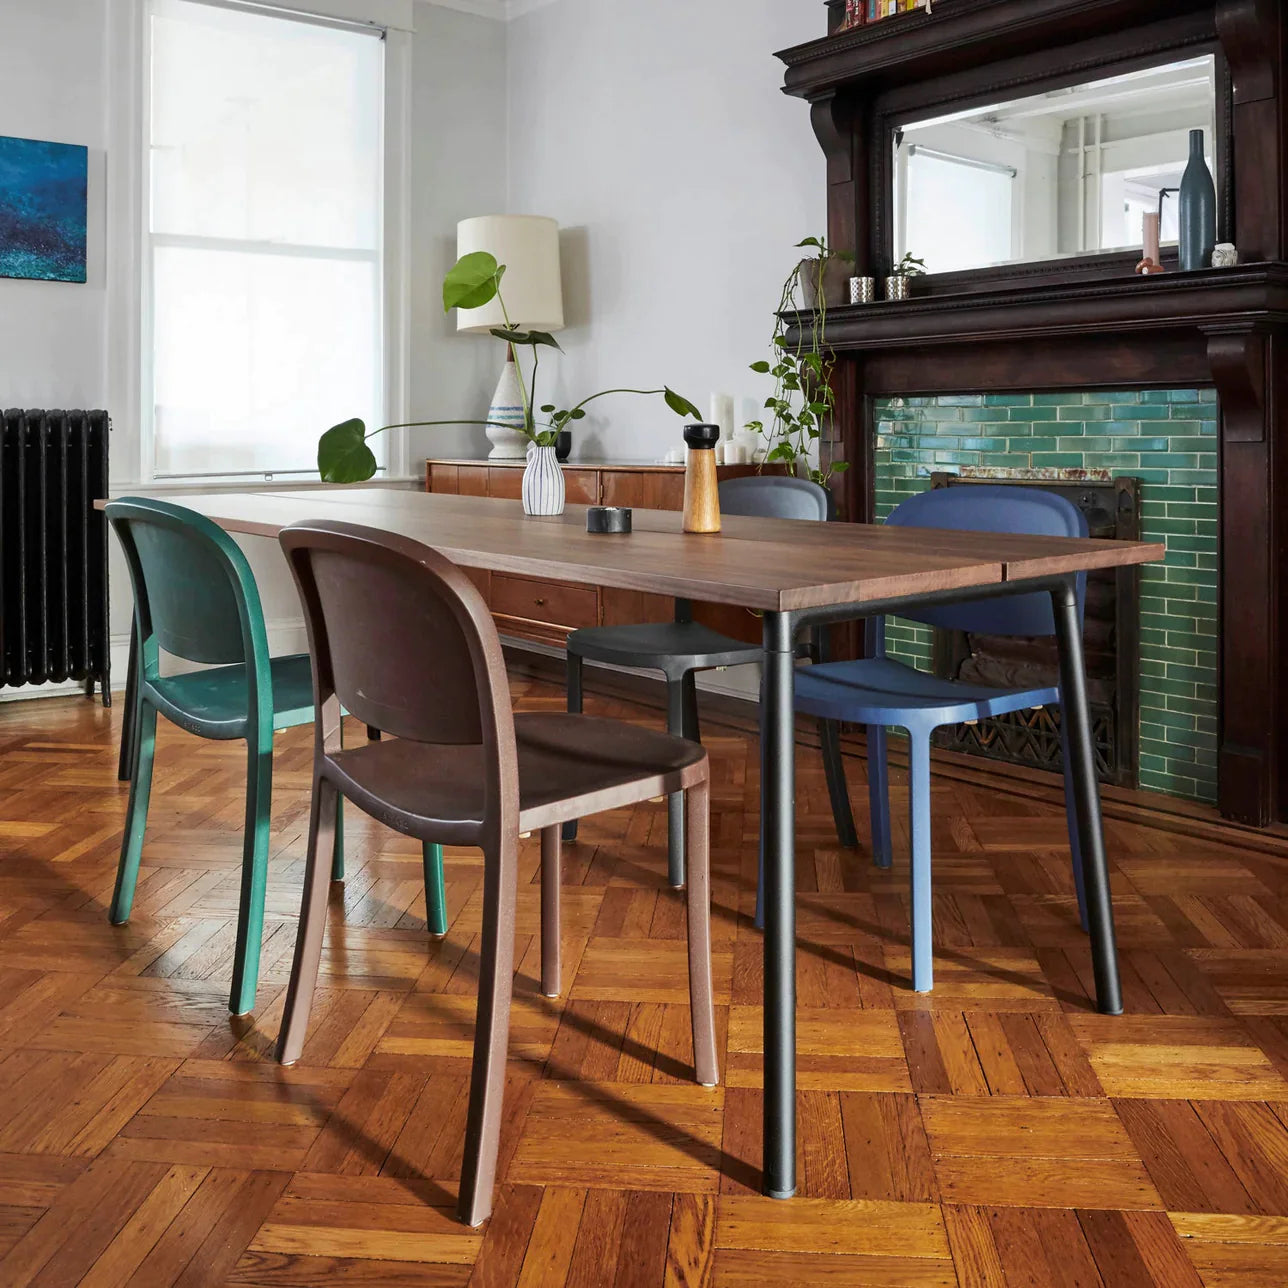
781	1194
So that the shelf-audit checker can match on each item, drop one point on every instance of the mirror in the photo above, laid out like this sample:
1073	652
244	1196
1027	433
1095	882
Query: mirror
1068	172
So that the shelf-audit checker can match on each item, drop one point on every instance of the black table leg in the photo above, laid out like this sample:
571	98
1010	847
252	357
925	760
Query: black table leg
125	765
778	834
1086	794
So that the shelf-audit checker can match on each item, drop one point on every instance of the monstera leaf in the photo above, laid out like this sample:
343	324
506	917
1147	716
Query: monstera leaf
343	454
472	281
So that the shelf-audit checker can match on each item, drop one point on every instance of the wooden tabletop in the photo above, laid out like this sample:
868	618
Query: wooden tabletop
770	564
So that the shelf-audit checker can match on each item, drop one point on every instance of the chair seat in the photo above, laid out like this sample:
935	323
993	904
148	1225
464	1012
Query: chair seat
662	646
569	766
212	702
882	691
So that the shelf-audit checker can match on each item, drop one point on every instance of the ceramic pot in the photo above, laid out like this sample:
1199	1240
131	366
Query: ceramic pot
835	282
543	482
563	445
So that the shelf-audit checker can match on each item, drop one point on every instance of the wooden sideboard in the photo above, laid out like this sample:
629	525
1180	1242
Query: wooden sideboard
547	611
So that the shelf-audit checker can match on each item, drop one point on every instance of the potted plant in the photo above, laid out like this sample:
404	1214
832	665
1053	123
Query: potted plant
824	276
899	284
802	399
475	280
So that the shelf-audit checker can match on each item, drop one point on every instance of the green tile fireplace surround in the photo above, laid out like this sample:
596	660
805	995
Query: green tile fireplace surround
1167	439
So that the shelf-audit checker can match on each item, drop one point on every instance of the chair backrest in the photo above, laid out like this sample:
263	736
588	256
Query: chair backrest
401	636
985	507
775	496
194	593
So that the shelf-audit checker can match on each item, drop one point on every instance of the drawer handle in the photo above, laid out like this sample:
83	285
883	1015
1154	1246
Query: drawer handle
540	603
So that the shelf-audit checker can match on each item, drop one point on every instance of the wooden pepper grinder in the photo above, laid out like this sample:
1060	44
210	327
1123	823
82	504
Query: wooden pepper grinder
701	498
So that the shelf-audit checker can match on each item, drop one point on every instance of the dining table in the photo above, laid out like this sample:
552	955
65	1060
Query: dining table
796	575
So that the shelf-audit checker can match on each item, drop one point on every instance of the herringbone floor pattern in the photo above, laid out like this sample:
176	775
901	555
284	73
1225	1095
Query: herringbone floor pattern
998	1132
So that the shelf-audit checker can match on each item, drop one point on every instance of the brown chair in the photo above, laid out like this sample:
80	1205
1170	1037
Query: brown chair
401	637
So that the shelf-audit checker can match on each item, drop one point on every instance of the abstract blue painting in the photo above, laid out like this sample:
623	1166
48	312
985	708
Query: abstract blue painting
42	210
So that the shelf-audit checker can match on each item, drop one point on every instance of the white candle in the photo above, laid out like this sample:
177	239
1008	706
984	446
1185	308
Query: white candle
722	413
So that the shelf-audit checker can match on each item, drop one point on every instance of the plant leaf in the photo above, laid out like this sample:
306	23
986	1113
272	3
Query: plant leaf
839	467
761	367
343	454
810	241
511	335
543	337
548	408
471	282
577	413
680	405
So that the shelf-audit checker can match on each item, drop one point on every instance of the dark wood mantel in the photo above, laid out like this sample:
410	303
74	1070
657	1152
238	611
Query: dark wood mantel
1088	322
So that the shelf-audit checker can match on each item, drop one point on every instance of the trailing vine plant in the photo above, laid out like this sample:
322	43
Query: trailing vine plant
803	399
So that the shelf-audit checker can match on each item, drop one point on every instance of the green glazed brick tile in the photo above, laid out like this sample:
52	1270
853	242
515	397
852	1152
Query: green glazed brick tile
1056	461
1085	411
1195	674
960	400
1201	478
1127	443
975	414
1114	396
1031	413
1008	400
1207	395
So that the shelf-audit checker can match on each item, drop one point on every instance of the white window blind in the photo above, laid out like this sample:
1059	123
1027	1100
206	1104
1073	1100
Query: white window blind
959	211
264	236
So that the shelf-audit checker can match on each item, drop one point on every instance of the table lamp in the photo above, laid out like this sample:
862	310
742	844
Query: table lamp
528	246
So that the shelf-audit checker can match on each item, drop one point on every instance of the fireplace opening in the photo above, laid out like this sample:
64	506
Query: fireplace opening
1111	636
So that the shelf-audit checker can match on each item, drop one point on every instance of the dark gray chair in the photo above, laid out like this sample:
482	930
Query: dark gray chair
681	648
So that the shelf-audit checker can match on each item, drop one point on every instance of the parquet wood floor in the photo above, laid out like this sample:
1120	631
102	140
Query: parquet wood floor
995	1133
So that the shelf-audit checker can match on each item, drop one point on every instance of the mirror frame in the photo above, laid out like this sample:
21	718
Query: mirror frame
938	97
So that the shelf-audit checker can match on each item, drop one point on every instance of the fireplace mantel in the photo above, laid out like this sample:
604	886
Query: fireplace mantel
1089	322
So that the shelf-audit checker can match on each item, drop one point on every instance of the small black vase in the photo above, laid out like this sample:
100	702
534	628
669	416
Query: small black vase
563	445
1197	209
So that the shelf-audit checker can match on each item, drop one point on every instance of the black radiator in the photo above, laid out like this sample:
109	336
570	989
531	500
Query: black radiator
53	549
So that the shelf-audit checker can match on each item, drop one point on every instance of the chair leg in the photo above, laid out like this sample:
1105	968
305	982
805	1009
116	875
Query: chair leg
879	796
758	918
337	850
254	877
551	917
435	890
691	729
923	944
491	1033
136	817
574	708
373	734
829	737
130	716
312	927
701	990
675	720
1071	822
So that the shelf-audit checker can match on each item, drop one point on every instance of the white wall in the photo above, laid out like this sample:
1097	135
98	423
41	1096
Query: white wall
658	135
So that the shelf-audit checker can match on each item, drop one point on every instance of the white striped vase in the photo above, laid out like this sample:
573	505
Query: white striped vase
543	482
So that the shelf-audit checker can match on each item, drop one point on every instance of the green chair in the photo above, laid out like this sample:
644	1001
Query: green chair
195	598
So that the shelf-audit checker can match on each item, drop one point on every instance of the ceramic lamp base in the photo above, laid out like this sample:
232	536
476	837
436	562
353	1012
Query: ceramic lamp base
505	417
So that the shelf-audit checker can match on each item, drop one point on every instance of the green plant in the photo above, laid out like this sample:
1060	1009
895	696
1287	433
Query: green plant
473	281
803	399
909	266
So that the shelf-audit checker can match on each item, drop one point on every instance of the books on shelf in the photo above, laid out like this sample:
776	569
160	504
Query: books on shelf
859	12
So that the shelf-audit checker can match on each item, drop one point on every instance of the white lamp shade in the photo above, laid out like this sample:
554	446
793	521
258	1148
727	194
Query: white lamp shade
528	246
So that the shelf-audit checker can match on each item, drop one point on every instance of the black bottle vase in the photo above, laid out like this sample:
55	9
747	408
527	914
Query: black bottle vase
1197	209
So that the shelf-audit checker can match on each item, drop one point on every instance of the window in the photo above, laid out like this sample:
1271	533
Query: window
264	266
959	211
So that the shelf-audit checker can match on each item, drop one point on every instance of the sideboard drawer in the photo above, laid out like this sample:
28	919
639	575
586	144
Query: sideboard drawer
556	602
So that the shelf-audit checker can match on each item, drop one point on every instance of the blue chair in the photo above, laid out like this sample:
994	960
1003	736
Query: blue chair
195	598
879	692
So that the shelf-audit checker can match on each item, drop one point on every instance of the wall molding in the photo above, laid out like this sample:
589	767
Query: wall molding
500	10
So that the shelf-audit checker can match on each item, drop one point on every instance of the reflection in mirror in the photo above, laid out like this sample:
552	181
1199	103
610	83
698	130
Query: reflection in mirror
1069	172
